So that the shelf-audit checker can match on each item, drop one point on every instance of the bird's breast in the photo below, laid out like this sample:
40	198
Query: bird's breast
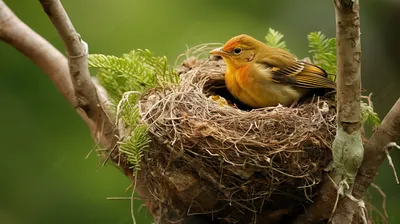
236	80
257	90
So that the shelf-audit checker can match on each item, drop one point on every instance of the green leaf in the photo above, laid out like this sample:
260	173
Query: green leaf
137	71
368	115
134	146
323	52
275	39
125	79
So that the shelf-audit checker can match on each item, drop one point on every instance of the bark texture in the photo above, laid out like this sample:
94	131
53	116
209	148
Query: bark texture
348	64
348	108
374	155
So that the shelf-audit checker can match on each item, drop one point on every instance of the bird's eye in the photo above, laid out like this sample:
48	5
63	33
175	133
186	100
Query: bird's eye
237	51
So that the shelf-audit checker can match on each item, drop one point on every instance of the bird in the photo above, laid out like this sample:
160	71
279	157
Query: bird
259	75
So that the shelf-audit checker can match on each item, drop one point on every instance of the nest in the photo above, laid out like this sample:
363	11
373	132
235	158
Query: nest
234	165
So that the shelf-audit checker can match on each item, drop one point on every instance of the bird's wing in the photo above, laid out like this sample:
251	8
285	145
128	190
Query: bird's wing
286	69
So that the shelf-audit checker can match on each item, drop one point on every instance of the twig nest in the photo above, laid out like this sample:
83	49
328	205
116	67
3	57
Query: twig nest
210	156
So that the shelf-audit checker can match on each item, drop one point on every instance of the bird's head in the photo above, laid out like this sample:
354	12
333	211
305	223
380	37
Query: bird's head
239	50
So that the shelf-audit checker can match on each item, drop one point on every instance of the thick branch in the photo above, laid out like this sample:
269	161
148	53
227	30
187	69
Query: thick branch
348	64
374	155
388	131
348	98
347	147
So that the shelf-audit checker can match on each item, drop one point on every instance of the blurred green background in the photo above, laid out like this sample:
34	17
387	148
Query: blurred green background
44	175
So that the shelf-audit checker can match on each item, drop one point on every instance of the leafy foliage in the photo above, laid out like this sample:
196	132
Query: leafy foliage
368	115
275	39
323	52
126	78
135	71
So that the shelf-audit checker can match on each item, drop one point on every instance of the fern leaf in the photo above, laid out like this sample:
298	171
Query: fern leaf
275	39
323	52
134	146
136	71
112	63
125	79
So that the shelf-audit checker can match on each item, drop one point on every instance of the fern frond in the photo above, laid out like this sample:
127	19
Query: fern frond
275	39
138	71
112	63
323	52
125	79
134	145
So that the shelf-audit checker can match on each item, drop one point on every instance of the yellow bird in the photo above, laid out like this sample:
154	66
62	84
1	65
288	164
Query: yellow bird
262	76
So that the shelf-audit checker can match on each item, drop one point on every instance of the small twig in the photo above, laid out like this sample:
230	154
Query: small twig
386	149
193	51
90	152
362	207
132	200
123	198
383	199
369	97
336	199
359	202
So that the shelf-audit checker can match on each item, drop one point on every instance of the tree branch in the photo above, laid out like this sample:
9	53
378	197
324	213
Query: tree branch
77	86
374	155
388	131
348	95
348	63
347	146
86	97
16	33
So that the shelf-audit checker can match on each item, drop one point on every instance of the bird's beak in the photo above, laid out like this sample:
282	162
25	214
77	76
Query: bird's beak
218	51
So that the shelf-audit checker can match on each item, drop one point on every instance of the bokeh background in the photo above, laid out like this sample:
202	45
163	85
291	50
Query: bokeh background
44	175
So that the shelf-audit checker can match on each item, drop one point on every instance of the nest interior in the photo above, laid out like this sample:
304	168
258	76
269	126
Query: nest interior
219	159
